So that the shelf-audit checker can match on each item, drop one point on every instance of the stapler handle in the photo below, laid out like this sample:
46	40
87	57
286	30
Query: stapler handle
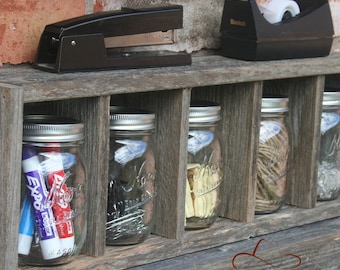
123	22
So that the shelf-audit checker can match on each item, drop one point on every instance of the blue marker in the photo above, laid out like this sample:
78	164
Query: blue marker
26	227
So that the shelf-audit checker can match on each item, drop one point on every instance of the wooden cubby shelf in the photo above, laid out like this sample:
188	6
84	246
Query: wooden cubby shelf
236	85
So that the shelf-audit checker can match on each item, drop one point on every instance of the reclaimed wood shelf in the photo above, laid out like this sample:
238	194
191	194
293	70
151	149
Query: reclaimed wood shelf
238	87
222	232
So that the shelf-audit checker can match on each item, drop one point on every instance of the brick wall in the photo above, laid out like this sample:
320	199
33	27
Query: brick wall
22	22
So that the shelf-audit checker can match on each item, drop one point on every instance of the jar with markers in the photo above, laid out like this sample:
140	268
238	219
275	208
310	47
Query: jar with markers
328	187
52	226
131	183
204	166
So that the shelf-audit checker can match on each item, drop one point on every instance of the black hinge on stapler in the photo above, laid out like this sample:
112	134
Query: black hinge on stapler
98	41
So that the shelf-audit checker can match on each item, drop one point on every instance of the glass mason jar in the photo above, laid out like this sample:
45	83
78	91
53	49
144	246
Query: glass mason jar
272	160
328	187
204	167
52	226
132	171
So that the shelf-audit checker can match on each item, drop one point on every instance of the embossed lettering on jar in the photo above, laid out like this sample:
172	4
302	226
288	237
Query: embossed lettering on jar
272	160
204	167
53	224
132	169
329	161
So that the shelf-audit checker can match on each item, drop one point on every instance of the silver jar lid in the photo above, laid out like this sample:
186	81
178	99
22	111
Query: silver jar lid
331	98
274	104
202	112
50	128
123	118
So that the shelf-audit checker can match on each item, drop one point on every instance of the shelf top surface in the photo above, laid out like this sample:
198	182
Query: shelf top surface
206	69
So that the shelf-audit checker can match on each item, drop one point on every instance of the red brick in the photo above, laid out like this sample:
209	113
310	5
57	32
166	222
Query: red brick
22	22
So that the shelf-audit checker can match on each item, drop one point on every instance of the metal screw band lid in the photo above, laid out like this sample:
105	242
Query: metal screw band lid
331	98
50	128
203	112
125	119
274	104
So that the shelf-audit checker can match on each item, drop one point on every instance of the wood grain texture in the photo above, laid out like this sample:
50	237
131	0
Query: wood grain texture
304	118
312	246
11	98
205	70
223	232
236	85
239	129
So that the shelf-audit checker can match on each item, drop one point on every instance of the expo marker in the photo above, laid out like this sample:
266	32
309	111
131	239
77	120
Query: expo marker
46	228
60	197
26	227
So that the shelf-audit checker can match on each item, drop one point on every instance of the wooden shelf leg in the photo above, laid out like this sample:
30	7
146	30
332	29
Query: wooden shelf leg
11	104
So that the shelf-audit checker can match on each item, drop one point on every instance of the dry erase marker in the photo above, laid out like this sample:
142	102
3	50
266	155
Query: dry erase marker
26	227
60	196
45	225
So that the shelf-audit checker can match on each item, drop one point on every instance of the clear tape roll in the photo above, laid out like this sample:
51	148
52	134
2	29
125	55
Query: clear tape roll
278	10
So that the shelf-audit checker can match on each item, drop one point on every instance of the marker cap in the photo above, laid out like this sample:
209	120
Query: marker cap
50	248
25	242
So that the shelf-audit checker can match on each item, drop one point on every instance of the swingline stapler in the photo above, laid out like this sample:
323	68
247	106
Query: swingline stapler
99	41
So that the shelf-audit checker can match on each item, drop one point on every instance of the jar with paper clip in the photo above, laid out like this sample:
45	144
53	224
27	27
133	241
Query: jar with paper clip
328	186
204	166
53	225
132	169
273	152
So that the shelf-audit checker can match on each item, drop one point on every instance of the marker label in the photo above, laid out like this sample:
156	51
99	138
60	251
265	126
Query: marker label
60	196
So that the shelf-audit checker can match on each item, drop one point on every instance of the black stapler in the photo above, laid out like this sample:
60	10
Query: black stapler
98	41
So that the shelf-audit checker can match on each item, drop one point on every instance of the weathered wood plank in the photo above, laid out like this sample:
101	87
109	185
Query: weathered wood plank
305	99
171	109
239	128
222	232
11	100
313	246
205	70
